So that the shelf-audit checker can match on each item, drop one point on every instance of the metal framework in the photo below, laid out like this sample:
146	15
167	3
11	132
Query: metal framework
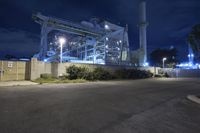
87	42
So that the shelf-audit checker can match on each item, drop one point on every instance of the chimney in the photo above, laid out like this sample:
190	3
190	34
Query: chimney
142	33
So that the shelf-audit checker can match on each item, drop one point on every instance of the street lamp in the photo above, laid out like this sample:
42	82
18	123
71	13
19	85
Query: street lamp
164	59
62	41
106	27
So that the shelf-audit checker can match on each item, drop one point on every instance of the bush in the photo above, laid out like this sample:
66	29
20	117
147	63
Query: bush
46	76
132	74
101	74
158	76
166	75
85	73
73	72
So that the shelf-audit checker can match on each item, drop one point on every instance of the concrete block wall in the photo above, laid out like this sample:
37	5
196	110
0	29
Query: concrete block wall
62	68
183	73
33	69
14	70
38	68
154	70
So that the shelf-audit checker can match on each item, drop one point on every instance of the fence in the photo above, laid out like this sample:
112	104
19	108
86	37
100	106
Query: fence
17	70
183	73
14	70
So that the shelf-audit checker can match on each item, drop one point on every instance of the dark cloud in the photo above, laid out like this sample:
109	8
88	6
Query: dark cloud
19	43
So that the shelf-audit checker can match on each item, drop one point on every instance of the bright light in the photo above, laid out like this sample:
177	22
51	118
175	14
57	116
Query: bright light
190	55
106	27
45	60
190	64
164	59
120	41
107	39
146	64
62	40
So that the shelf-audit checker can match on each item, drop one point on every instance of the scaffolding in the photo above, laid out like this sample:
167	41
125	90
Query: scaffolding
92	42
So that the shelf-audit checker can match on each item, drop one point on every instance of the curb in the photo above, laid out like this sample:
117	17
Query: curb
17	83
193	98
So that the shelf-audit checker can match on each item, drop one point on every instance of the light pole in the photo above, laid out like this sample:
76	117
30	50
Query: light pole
164	59
62	41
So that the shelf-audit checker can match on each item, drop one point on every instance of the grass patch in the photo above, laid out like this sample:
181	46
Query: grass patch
58	81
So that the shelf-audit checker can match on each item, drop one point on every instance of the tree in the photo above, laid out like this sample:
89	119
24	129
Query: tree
194	40
157	56
9	56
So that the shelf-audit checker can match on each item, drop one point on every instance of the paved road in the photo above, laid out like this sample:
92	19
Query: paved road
140	106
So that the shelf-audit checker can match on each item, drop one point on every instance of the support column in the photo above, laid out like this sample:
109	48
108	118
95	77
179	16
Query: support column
44	41
85	51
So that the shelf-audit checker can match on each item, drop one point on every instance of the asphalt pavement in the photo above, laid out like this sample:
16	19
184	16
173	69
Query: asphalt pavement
133	106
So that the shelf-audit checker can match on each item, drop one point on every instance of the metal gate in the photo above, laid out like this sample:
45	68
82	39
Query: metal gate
14	70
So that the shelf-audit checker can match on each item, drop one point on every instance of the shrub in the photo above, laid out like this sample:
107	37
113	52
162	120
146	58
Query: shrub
166	75
46	76
121	74
85	73
73	72
101	74
158	76
132	74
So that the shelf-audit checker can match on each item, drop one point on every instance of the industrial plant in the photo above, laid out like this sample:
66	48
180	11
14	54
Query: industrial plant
91	42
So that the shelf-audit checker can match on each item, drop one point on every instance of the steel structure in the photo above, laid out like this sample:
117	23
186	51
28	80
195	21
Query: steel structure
86	42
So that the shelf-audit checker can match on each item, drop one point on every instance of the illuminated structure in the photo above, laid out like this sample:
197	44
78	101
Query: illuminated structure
190	55
91	42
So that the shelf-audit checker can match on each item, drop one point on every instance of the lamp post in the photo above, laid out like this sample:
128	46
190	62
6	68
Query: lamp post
164	59
62	41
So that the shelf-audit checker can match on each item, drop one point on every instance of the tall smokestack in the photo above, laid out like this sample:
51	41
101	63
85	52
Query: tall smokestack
143	37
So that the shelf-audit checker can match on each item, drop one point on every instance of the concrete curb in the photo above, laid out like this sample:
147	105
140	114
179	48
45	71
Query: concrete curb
193	98
17	83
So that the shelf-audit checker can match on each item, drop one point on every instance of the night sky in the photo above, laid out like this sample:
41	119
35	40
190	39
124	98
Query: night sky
169	21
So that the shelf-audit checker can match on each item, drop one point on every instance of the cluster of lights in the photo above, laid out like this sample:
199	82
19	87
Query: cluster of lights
191	55
118	42
146	64
189	65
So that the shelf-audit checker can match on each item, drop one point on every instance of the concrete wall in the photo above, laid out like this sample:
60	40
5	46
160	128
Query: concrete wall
183	73
14	70
154	70
62	68
18	70
33	69
38	68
